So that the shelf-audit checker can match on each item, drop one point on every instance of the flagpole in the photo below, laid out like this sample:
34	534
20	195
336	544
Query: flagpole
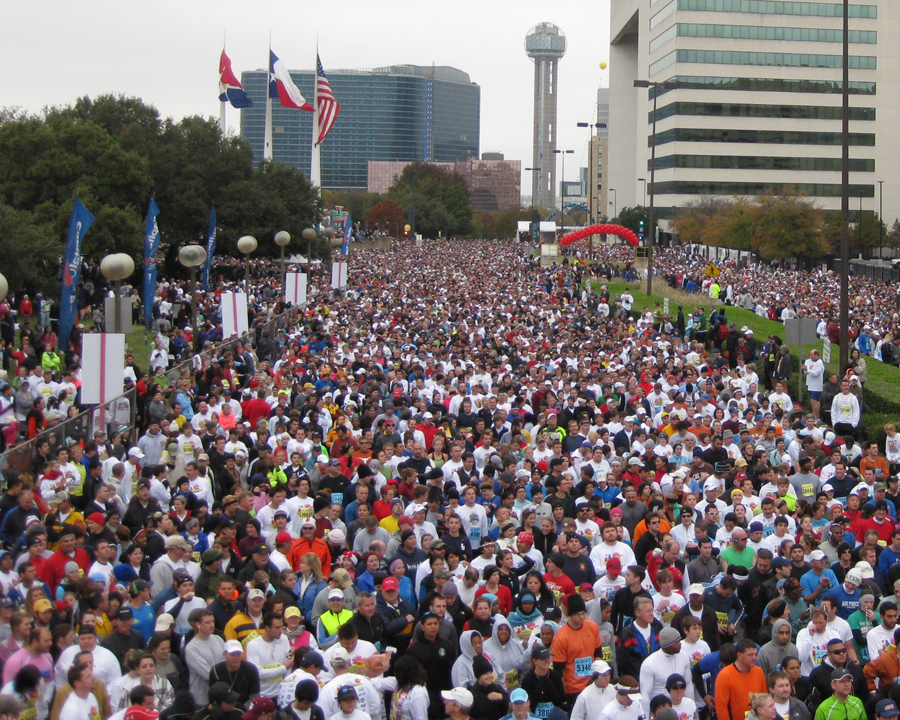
315	165
222	124
267	143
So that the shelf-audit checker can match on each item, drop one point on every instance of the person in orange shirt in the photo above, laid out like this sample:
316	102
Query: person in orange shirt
309	543
738	681
574	648
871	459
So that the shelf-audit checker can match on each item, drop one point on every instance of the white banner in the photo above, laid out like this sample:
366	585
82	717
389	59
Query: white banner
295	288
338	275
103	363
234	315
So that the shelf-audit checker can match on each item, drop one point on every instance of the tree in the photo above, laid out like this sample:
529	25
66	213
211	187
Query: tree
388	215
787	224
39	267
691	220
356	202
892	238
631	218
438	198
732	225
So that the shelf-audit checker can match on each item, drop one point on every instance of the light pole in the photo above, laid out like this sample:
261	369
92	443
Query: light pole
247	244
329	234
845	196
192	257
562	187
282	238
535	217
644	180
651	228
881	219
4	287
613	201
117	267
309	234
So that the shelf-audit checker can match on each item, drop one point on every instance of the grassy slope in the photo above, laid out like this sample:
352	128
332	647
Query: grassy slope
883	380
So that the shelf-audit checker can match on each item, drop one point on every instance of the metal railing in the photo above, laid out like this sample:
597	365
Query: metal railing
875	271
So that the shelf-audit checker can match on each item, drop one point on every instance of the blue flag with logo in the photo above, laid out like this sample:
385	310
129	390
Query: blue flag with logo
79	224
210	248
151	247
348	230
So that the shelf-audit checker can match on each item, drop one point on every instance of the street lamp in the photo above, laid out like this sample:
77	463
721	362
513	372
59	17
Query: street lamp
535	217
309	234
282	238
881	219
4	287
192	257
651	230
644	180
116	268
329	234
844	345
247	244
562	187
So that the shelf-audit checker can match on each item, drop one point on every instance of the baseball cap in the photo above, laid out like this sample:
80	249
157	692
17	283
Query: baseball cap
696	589
259	706
337	594
180	577
539	652
211	555
840	674
43	605
283	537
261	549
346	692
780	562
460	696
234	646
518	695
256	593
97	517
124	613
600	667
887	708
817	555
220	693
292	611
390	584
164	622
340	656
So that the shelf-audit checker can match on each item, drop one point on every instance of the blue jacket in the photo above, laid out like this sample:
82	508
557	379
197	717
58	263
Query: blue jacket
309	596
632	649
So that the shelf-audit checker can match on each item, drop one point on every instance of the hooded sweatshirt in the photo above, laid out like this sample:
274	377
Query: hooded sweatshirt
510	657
773	653
462	673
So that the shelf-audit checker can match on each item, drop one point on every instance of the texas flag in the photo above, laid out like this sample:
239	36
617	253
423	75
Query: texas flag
230	90
282	87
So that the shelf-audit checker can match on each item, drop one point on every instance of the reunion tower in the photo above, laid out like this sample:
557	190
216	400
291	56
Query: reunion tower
545	43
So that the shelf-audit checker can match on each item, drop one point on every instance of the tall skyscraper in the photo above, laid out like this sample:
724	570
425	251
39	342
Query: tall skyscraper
403	112
753	99
545	43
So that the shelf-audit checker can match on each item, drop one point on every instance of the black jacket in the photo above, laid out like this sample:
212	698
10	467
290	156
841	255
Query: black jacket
484	708
245	682
370	630
397	631
547	689
119	644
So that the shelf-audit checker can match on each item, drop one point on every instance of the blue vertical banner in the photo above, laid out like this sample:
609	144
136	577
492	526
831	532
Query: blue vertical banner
348	230
79	224
210	248
151	247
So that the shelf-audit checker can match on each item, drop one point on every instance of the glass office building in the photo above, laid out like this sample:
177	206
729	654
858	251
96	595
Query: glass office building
402	113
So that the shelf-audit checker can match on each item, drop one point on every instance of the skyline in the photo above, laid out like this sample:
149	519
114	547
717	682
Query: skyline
169	58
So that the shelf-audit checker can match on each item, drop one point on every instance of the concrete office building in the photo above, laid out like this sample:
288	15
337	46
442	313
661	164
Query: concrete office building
404	112
545	43
603	112
758	99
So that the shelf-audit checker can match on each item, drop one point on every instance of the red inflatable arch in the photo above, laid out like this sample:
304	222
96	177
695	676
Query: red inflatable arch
623	232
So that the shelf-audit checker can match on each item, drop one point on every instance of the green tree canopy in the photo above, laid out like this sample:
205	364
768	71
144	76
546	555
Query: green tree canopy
438	198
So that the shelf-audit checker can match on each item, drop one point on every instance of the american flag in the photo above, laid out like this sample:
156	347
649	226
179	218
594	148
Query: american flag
328	106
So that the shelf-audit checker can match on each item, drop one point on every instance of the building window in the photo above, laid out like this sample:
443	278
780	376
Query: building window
667	11
661	64
780	7
757	32
770	137
754	162
793	112
701	82
686	187
735	57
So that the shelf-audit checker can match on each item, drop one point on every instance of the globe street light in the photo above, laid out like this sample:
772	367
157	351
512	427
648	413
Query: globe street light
329	235
247	244
4	287
282	238
116	268
192	257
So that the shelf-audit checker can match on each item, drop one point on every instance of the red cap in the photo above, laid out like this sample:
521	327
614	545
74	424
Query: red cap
283	537
543	466
406	519
390	584
585	586
614	564
98	518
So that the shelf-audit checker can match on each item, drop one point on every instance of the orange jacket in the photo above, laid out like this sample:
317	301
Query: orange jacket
885	668
317	547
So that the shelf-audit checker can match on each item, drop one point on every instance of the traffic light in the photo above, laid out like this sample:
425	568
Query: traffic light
641	223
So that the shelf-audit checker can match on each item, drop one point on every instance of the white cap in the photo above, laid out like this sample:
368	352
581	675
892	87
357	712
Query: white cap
340	656
600	667
136	452
817	555
234	646
164	622
696	589
459	695
335	593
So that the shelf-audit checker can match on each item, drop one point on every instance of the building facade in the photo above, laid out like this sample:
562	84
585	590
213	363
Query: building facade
493	184
401	113
752	99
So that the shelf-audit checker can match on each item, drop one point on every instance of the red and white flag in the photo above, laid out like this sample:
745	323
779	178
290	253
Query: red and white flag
328	107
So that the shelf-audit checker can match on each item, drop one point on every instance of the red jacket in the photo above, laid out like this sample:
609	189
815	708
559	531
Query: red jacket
56	566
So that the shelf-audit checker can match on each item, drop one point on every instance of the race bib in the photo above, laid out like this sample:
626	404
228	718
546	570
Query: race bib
305	512
512	679
722	618
882	543
807	490
188	449
583	667
543	710
337	498
606	653
845	409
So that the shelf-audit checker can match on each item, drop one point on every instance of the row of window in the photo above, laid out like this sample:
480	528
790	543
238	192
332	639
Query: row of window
708	82
770	137
793	112
757	32
780	7
686	187
754	162
733	57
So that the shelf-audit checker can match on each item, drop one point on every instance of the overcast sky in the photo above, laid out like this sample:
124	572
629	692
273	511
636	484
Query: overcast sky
167	53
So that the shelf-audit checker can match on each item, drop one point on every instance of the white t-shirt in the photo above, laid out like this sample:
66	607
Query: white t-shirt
77	709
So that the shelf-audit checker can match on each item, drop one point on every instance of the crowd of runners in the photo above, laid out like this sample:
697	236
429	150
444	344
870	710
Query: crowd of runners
465	486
